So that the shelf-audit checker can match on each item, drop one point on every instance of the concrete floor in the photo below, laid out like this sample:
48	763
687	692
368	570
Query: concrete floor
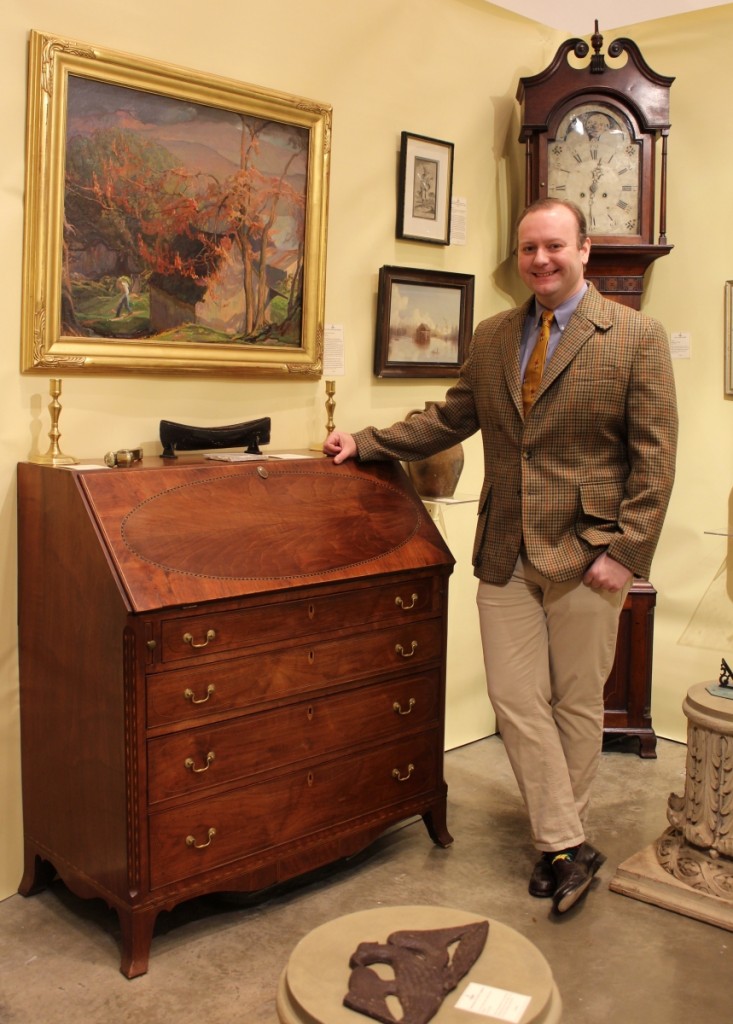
217	960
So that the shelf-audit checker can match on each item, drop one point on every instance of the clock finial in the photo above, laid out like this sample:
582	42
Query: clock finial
597	61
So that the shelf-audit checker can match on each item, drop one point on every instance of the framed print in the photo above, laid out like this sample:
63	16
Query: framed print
424	190
424	322
729	337
175	222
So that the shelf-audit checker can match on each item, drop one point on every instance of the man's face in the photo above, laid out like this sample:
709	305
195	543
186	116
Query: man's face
550	261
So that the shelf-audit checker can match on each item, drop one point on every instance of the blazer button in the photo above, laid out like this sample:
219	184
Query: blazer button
526	454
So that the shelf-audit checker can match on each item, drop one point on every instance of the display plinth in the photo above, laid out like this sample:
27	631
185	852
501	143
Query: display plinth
316	978
689	869
643	878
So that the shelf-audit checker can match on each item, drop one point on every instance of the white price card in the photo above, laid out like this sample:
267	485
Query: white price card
333	351
458	220
680	345
493	1002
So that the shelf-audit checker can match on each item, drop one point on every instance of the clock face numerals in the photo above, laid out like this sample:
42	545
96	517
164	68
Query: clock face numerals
594	161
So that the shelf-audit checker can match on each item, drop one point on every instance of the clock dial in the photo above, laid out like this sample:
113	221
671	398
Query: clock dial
594	161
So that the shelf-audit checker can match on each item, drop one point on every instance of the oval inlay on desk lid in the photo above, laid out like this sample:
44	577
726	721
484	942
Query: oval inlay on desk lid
277	523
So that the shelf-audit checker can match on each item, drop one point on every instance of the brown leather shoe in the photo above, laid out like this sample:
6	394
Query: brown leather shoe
542	880
588	854
573	877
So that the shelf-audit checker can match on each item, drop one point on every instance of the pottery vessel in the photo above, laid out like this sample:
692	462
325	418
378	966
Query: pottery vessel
438	475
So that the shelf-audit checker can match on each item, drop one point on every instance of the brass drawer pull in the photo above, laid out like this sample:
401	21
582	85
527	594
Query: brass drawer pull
188	694
398	707
403	778
401	650
210	635
191	841
189	763
406	607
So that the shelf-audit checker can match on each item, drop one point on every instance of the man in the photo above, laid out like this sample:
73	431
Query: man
579	427
123	306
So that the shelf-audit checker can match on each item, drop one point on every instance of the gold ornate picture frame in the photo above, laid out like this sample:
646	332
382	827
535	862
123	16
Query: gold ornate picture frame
729	338
175	222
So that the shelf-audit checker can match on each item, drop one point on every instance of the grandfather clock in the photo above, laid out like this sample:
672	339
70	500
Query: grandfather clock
591	136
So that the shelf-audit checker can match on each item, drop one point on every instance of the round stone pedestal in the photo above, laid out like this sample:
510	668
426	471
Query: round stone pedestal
690	867
698	848
316	979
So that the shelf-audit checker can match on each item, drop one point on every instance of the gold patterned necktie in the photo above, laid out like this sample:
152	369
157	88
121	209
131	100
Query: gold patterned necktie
536	364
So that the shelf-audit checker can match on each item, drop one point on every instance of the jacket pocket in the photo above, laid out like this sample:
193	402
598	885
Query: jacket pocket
484	504
600	504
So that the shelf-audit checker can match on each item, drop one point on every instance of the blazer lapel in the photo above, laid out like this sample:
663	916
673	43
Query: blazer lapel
588	318
511	342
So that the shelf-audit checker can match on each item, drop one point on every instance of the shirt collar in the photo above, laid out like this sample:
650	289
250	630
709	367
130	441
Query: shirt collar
564	311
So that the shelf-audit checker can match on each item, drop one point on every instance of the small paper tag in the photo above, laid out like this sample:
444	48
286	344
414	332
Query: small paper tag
721	691
493	1002
236	457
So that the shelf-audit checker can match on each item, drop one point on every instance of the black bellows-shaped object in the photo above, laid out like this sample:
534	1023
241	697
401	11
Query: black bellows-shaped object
184	438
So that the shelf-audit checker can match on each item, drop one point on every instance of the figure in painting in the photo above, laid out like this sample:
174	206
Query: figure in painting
123	306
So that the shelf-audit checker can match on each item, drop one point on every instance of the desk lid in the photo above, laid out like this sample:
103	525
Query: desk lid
199	531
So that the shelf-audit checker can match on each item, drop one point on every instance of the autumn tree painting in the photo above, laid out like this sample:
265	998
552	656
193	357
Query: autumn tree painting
182	222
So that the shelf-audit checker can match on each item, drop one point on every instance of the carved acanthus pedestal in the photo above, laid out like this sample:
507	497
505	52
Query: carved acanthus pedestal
689	869
698	848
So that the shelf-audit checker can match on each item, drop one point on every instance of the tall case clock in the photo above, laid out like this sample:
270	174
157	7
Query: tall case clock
591	135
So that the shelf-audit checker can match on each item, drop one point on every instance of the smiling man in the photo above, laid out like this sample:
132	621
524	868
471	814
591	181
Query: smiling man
553	251
574	397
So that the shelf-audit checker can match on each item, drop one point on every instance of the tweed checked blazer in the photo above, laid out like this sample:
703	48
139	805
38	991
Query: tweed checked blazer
591	467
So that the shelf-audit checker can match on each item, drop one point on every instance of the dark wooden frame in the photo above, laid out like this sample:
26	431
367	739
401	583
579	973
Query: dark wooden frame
428	221
387	363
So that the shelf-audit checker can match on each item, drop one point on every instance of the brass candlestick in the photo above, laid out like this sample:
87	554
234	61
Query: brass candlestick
330	404
54	456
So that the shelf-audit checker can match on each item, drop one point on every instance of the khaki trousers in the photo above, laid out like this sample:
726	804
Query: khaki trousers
548	650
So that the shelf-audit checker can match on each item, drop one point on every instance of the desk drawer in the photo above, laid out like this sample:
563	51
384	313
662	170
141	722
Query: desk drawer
192	693
214	631
193	761
209	833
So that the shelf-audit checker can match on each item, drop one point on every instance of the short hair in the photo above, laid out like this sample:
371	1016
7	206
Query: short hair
547	203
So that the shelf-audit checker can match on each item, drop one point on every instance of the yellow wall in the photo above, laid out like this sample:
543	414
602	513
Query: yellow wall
692	570
442	68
